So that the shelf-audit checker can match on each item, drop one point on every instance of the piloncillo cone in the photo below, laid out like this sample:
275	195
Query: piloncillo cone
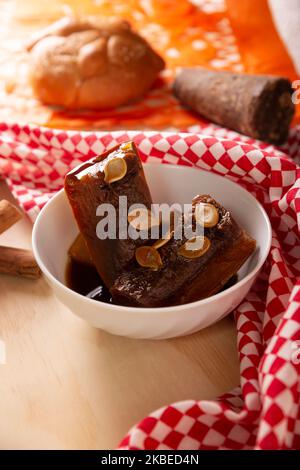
259	106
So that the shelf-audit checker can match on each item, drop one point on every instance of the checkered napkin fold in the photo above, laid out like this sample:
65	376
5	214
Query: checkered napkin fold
264	413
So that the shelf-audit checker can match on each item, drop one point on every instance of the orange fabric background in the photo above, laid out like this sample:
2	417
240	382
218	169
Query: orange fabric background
260	46
221	34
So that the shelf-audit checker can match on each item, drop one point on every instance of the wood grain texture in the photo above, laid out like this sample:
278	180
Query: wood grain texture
67	385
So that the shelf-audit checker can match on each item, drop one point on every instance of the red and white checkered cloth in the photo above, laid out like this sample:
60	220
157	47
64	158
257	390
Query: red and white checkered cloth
264	413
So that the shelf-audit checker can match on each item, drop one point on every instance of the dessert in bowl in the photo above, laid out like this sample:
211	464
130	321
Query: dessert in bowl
152	288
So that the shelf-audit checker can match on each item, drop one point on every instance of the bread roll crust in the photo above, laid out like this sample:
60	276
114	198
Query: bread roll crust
93	64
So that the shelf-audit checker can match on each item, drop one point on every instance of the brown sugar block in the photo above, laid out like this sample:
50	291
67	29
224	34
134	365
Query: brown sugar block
259	106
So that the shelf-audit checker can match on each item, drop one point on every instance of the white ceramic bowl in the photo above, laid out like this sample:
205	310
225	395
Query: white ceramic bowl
55	230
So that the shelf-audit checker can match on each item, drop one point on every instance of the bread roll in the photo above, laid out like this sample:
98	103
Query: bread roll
92	63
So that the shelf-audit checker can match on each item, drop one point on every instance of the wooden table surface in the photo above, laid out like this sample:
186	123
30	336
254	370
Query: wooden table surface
67	385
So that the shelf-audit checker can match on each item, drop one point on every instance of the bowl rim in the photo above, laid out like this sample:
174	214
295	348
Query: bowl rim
154	310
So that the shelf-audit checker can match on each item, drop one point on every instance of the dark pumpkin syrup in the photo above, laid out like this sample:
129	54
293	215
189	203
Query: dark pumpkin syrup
85	280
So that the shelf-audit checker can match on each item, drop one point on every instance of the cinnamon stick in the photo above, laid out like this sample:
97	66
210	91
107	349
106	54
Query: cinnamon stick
9	215
18	262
